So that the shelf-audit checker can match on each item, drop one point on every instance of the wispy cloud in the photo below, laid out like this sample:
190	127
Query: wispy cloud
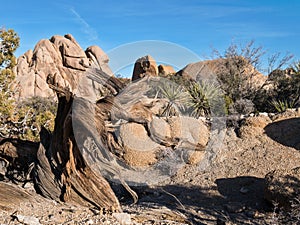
86	28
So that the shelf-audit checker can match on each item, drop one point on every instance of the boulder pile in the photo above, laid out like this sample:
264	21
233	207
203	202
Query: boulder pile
60	58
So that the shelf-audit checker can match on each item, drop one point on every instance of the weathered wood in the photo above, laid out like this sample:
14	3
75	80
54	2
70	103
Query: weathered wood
46	178
61	171
100	155
11	196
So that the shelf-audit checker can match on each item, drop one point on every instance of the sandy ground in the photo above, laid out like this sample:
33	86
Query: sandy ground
225	189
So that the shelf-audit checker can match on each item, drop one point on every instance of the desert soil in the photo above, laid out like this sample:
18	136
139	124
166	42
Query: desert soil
226	189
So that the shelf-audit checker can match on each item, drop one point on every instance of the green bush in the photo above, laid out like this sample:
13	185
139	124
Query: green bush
283	94
27	117
20	119
238	66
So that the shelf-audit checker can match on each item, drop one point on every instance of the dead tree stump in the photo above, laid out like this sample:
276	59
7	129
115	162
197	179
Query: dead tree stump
61	173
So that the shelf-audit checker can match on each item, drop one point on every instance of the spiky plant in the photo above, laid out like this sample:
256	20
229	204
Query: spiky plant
204	94
176	95
283	105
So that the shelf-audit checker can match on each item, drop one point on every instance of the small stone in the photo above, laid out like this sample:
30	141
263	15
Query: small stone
28	185
123	218
90	221
234	207
29	220
263	114
254	214
244	190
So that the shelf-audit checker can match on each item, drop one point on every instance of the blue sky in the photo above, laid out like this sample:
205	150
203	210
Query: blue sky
198	25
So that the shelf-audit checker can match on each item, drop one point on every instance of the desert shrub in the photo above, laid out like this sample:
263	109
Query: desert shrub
19	119
282	105
35	113
242	106
283	94
237	69
288	89
9	42
238	66
228	104
262	100
27	117
40	104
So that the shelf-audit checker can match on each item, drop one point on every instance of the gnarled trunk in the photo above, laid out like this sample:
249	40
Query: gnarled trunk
61	172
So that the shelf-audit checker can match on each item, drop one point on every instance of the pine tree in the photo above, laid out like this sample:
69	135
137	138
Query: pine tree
9	42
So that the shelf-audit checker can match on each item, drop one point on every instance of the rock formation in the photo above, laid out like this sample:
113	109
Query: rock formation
201	69
166	70
63	59
144	66
210	69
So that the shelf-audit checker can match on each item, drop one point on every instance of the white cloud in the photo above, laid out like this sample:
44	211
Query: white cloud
87	29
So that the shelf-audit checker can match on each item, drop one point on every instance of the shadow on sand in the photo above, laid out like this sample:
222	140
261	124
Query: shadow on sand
230	198
286	132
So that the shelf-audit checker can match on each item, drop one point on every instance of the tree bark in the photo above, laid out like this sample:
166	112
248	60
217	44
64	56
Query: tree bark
61	172
58	165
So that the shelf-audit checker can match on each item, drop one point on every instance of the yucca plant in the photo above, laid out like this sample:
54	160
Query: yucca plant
176	95
283	105
203	95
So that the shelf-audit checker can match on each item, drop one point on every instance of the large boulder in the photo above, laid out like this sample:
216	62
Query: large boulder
189	129
185	131
160	130
142	148
210	69
200	70
285	130
192	134
144	66
98	56
60	57
139	149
